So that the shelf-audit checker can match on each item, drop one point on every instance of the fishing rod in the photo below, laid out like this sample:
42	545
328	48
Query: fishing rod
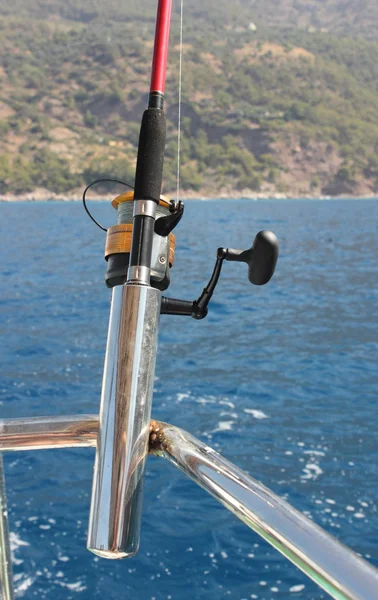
140	253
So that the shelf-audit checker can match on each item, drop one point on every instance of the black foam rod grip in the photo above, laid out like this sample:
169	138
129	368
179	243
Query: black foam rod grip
263	260
149	169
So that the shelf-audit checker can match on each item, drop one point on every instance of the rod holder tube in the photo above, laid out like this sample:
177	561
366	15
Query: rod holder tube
122	444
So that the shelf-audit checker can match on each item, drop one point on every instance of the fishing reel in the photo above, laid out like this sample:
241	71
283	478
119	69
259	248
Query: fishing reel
119	240
261	259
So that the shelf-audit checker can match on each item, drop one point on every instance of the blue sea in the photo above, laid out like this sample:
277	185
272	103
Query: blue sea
282	380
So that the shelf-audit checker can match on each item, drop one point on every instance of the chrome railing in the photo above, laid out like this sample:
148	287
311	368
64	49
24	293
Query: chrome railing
333	566
6	577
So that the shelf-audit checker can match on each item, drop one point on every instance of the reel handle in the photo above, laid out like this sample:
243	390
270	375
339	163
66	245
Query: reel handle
261	258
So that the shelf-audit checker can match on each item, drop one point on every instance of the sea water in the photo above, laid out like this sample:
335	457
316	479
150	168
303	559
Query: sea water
280	379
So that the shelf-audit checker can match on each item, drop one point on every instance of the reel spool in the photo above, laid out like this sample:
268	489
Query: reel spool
118	244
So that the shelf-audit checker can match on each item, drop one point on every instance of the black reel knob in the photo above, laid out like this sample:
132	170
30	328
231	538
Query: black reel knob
261	258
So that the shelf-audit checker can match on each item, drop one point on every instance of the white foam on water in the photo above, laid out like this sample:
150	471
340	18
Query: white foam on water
22	587
181	397
314	452
224	426
257	414
227	403
78	586
22	582
297	588
187	396
204	401
311	471
228	414
63	558
16	541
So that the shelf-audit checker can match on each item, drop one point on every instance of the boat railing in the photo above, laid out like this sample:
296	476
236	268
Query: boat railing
338	570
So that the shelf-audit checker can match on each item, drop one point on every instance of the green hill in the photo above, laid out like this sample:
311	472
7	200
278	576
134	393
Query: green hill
277	98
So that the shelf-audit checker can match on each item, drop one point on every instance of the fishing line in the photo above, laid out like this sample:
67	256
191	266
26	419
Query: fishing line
179	102
91	185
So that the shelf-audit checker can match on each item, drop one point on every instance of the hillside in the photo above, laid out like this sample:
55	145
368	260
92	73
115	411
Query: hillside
348	17
277	97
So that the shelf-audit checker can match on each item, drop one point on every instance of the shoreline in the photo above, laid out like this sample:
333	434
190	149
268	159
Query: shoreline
45	196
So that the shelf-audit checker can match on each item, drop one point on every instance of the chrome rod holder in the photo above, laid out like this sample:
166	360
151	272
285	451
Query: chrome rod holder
122	445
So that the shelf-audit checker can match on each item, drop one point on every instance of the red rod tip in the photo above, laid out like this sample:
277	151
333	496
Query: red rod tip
159	64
